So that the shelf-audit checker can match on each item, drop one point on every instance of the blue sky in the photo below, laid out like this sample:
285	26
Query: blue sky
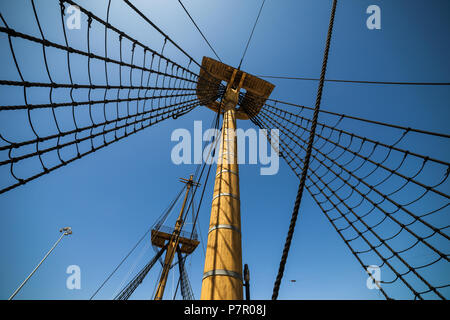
111	198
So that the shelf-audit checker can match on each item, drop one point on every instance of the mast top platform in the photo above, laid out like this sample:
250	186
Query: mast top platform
209	88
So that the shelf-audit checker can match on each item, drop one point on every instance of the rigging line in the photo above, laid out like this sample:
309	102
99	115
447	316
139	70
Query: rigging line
156	226
351	173
92	102
186	289
143	16
359	218
195	24
201	165
287	114
163	215
211	150
139	278
176	290
362	81
408	179
365	120
55	85
122	34
325	212
16	34
146	19
200	204
350	210
301	186
100	133
121	262
200	229
156	284
22	181
130	271
283	153
251	34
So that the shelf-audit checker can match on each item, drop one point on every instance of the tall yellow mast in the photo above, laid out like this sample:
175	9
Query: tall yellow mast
222	276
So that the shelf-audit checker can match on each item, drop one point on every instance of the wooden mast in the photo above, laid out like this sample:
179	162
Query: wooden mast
222	276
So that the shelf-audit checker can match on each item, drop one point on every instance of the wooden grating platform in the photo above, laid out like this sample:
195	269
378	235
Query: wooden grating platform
213	72
159	239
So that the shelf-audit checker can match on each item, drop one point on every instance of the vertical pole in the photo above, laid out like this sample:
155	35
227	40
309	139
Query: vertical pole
172	245
247	282
222	277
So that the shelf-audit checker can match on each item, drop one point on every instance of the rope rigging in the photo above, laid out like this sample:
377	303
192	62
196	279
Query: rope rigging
307	158
387	203
156	226
157	89
128	290
358	183
363	81
345	116
201	33
186	289
251	34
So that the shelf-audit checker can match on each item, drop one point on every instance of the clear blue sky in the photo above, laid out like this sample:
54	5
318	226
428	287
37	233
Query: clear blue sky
111	198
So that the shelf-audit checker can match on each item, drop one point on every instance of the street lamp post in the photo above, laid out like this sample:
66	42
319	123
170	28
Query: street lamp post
65	231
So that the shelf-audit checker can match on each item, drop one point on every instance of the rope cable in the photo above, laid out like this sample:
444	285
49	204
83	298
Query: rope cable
363	81
307	159
251	34
195	24
156	225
